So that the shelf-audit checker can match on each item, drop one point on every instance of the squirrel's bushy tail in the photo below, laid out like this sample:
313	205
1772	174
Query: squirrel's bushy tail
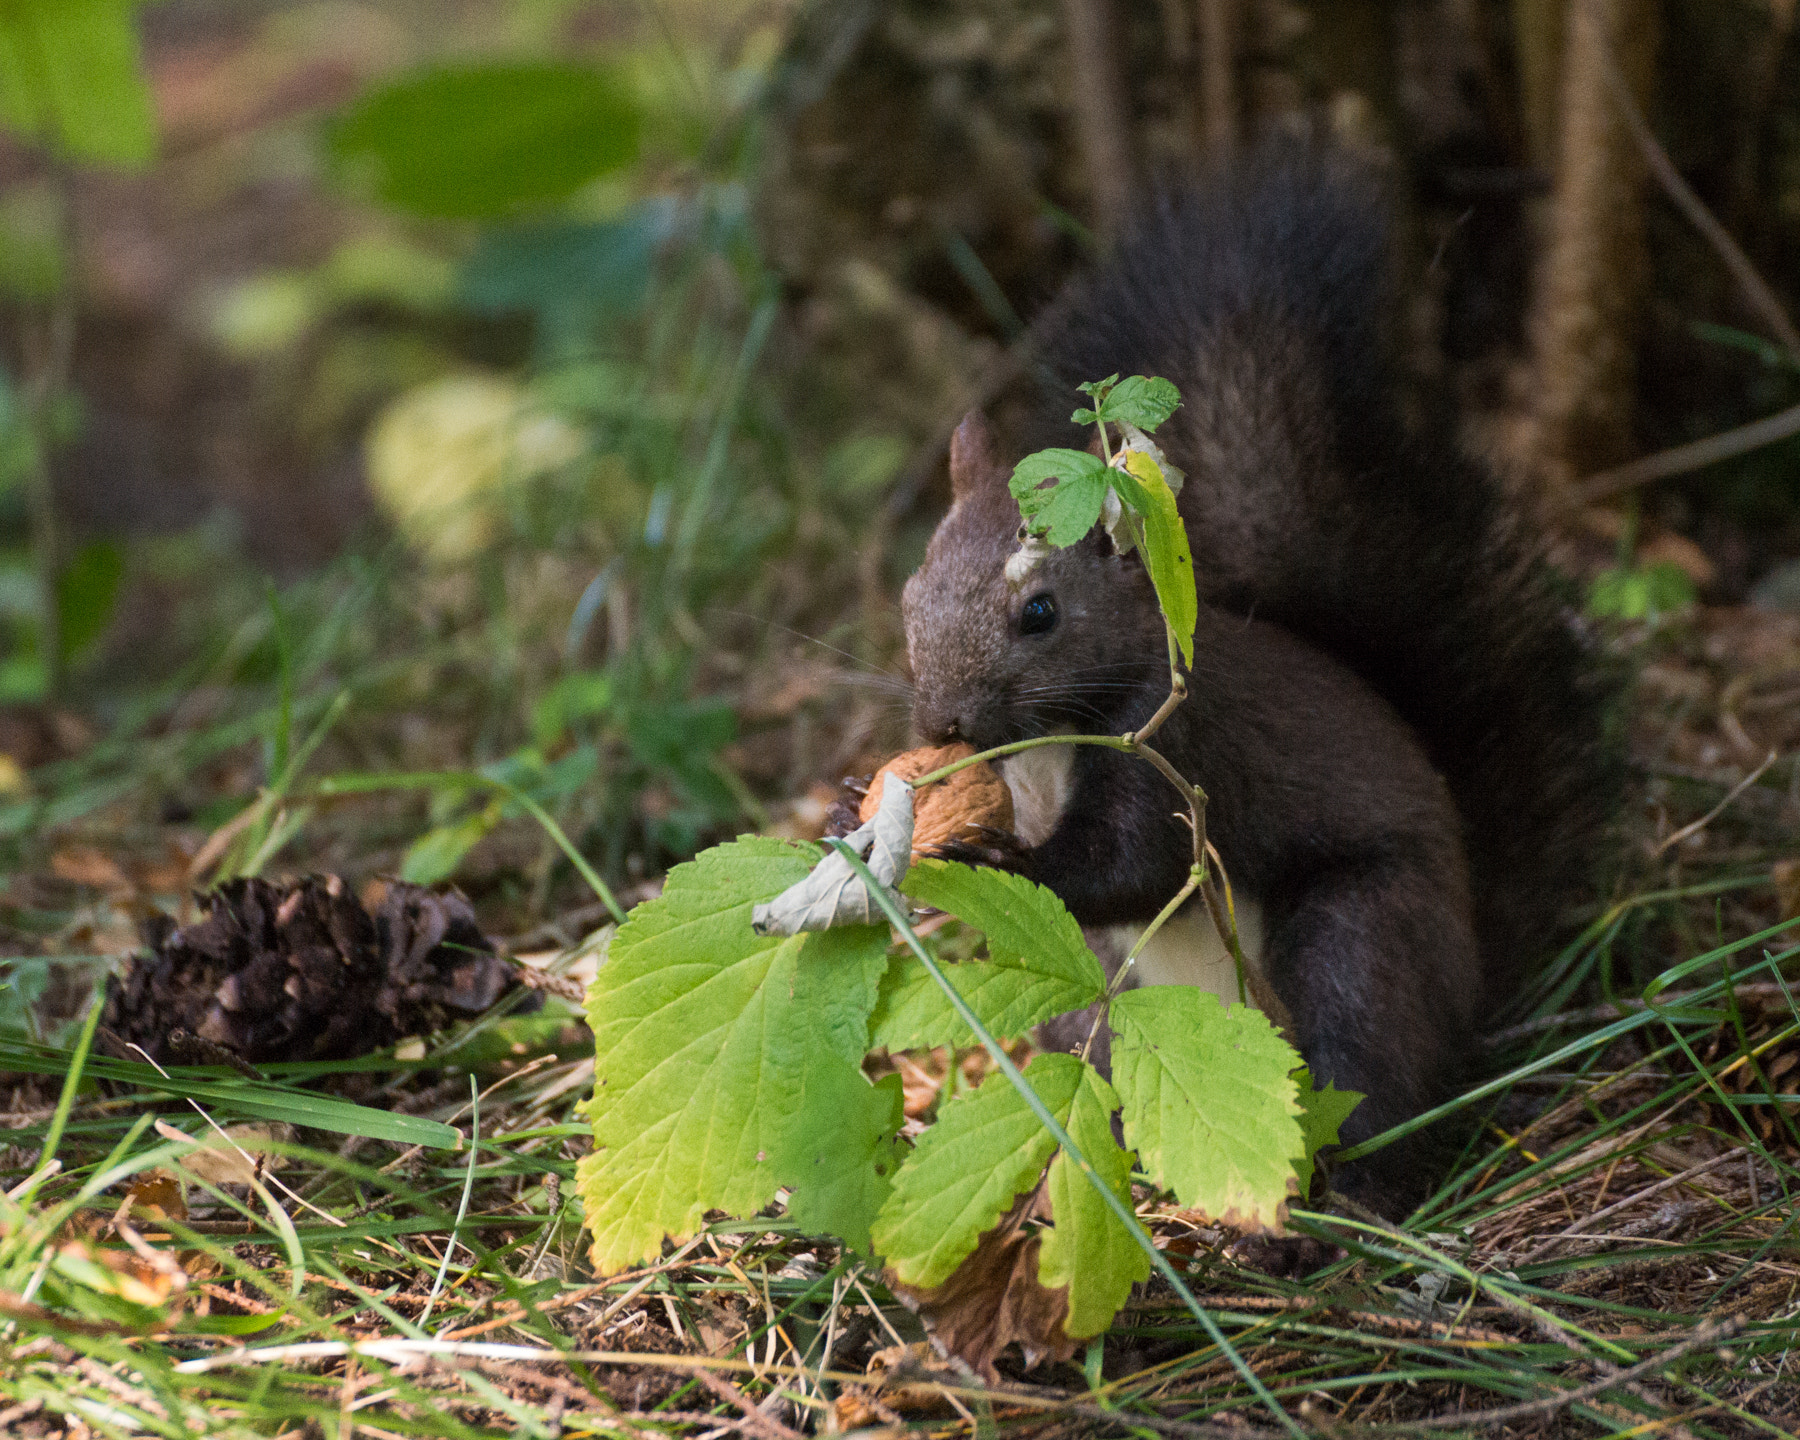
1265	295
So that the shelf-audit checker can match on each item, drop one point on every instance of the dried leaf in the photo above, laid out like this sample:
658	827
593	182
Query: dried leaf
995	1298
834	894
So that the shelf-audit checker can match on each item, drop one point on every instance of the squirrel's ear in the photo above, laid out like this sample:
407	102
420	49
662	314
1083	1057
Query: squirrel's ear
972	456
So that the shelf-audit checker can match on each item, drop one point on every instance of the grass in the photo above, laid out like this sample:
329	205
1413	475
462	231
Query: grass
1613	1253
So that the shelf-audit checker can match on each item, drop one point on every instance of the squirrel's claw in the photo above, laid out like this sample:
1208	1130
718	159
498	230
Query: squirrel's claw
845	813
995	849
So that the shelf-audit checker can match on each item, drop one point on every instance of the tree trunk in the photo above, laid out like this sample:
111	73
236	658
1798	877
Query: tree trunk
1592	276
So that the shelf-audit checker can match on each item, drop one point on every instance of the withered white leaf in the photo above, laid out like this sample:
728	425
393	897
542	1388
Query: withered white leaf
834	894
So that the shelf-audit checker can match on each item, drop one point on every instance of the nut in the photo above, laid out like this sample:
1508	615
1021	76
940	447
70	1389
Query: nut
955	809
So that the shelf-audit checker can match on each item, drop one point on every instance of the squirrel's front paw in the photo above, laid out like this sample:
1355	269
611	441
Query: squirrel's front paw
984	845
843	816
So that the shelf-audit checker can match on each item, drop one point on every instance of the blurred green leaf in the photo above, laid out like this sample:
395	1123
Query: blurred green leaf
578	696
32	263
72	79
1641	592
435	855
863	464
568	275
477	142
86	593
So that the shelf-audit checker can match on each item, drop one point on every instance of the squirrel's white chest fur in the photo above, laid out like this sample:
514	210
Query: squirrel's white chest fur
1187	950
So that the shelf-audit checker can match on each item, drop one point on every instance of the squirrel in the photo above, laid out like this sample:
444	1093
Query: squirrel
1401	733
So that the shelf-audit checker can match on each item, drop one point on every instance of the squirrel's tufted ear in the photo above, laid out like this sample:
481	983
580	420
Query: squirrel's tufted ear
973	459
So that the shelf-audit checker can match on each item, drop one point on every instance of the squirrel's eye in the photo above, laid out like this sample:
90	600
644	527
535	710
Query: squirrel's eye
1039	615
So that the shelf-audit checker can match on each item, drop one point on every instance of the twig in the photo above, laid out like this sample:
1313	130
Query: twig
1684	458
1709	1334
1696	826
1756	290
1694	456
1574	1232
1101	119
755	1420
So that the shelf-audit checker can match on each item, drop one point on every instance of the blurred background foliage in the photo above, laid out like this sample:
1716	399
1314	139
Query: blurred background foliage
555	391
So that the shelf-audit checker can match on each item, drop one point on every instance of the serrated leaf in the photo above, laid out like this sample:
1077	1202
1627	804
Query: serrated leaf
1089	1250
71	76
1098	389
1209	1101
1067	510
1166	553
476	141
1038	963
985	1149
840	1174
1321	1113
1141	400
705	1034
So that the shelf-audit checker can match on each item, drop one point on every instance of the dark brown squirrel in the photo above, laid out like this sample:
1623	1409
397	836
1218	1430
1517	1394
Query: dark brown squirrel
1400	731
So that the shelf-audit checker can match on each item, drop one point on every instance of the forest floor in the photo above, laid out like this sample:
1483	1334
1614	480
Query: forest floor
1613	1251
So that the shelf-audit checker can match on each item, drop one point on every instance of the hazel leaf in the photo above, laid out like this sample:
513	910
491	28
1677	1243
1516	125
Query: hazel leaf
1090	1251
1038	963
985	1149
1209	1102
1065	511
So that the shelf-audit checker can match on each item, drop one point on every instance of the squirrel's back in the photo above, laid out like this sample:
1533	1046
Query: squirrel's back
1265	296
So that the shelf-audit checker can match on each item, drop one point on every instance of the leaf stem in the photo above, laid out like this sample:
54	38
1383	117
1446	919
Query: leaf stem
1000	752
1121	1211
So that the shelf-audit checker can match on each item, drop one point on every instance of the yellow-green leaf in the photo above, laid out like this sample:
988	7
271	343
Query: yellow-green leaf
1038	963
985	1149
707	1039
1089	1250
1166	552
1209	1100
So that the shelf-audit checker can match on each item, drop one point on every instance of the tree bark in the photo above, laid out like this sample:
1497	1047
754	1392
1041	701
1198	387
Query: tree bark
1102	118
1218	78
1592	277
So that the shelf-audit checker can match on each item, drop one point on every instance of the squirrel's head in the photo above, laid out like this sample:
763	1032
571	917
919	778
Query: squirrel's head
991	663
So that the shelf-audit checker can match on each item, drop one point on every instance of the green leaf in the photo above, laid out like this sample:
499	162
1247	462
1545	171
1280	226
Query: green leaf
1141	400
71	77
435	855
1321	1113
1166	552
1644	592
1098	390
1089	1250
569	275
1209	1101
841	1174
985	1149
1066	511
708	1038
480	141
1038	963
